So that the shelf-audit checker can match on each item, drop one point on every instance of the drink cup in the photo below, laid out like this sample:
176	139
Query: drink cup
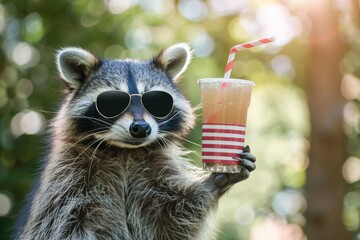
225	102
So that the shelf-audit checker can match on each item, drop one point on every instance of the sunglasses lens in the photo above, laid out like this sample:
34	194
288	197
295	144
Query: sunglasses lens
158	103
112	103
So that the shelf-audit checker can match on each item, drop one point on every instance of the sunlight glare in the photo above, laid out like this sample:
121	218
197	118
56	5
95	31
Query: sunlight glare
276	20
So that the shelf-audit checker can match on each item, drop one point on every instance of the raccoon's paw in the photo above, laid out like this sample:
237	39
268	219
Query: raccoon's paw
223	181
247	161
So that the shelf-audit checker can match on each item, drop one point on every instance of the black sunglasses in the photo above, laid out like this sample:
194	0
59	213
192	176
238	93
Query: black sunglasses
112	103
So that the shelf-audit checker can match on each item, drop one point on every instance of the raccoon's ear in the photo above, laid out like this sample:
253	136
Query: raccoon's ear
75	65
174	60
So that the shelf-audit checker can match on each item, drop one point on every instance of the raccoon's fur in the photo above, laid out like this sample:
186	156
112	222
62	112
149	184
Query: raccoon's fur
99	182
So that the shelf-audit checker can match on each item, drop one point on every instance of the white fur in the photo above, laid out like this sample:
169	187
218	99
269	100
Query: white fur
119	132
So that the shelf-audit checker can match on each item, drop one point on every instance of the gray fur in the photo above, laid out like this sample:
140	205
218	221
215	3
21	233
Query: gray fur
94	188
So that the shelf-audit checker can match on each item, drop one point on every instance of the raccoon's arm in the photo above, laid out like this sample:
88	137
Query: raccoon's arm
181	206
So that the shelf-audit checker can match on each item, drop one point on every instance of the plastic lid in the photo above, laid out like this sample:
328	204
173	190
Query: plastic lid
221	80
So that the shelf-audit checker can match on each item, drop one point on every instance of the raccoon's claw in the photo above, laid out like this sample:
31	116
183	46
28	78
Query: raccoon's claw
223	181
247	160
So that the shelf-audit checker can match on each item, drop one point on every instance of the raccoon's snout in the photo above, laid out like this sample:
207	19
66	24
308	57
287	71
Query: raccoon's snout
140	129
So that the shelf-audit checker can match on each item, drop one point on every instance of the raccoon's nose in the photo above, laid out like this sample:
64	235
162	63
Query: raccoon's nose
140	129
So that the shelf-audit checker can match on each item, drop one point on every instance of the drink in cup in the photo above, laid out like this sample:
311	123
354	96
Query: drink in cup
225	102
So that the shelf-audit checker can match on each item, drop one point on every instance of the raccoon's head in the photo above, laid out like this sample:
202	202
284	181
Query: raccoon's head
125	103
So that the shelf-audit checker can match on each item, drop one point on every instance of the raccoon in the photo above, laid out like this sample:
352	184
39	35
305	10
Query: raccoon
116	168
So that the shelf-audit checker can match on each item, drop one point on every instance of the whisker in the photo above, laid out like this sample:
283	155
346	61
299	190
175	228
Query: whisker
87	147
83	138
42	110
93	119
104	138
163	140
121	129
197	107
167	120
184	139
93	155
168	142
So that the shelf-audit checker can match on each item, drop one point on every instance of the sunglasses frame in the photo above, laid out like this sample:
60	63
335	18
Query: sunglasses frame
130	97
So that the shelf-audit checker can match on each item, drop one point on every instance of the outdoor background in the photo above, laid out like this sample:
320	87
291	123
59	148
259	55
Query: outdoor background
304	119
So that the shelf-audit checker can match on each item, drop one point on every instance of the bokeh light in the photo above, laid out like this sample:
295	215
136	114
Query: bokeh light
350	216
193	10
9	75
351	169
114	51
96	8
350	87
33	23
2	18
34	27
351	114
163	35
88	21
25	55
138	38
276	228
227	7
24	88
117	7
282	65
157	7
27	122
202	43
289	202
5	204
3	96
244	215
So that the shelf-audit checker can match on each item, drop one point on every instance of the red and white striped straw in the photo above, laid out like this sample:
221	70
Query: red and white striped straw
241	47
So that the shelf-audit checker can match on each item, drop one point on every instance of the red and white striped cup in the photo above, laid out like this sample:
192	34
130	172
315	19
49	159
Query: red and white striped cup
224	122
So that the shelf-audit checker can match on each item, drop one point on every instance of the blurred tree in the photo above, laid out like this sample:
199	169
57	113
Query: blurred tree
325	187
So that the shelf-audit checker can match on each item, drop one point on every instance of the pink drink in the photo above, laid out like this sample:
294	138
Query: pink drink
225	102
